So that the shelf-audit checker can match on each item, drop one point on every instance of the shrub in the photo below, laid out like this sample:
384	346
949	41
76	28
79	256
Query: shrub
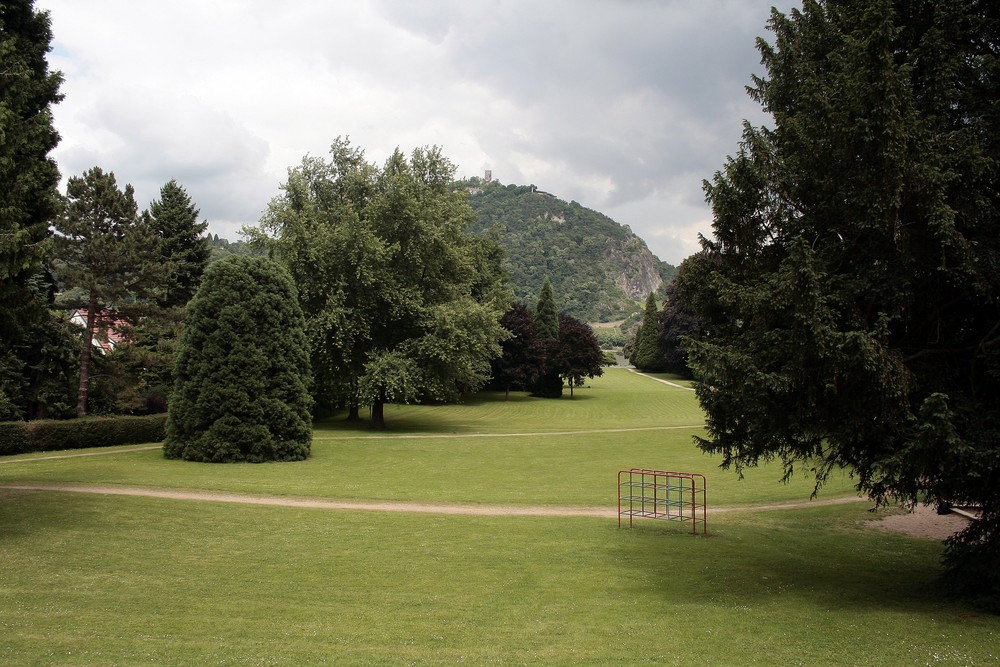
14	437
242	370
47	435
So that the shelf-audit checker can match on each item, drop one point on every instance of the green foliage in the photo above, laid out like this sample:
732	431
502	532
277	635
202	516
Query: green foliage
106	258
546	315
850	293
28	198
242	370
174	220
610	337
402	304
46	435
646	353
585	254
577	354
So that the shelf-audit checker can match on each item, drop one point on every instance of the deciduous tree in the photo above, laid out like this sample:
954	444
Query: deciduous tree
577	354
402	303
522	355
851	292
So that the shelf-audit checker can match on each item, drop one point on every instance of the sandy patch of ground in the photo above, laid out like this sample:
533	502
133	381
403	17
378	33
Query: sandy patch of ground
923	521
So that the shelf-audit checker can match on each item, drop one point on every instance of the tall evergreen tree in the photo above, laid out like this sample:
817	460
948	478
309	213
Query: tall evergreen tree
174	219
105	257
29	199
549	382
678	324
546	313
242	388
646	354
850	294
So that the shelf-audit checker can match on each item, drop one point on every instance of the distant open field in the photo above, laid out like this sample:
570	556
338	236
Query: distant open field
99	579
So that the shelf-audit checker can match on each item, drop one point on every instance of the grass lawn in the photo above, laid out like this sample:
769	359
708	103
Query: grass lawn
111	580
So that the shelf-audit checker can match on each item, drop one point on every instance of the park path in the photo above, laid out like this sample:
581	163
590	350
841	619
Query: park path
467	509
667	382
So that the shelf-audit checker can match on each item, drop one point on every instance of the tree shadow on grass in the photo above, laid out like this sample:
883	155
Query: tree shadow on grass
752	562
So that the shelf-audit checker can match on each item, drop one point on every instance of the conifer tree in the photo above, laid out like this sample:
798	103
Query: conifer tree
849	295
242	374
549	383
174	219
105	257
646	354
29	198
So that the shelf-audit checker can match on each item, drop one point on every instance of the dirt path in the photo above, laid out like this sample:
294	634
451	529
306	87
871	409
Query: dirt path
921	522
672	384
383	506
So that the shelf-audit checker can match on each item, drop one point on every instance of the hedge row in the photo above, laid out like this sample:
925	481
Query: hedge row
48	434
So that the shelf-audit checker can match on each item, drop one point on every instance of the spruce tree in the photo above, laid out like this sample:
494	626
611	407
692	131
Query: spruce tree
242	374
174	219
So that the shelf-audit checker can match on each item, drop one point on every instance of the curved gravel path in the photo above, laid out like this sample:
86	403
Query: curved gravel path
385	506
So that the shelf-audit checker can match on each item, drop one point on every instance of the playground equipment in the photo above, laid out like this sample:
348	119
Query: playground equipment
663	495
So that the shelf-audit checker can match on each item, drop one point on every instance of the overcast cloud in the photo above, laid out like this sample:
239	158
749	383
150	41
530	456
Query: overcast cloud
623	106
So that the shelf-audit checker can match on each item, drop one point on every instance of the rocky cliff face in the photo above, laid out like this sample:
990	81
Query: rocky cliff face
634	269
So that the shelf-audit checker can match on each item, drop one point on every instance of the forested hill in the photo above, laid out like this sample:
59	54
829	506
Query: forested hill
600	270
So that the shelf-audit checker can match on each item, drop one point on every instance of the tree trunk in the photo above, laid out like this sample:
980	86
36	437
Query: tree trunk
88	341
353	411
378	411
571	383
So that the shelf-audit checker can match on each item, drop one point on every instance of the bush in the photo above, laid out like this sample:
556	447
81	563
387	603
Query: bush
14	438
242	369
46	435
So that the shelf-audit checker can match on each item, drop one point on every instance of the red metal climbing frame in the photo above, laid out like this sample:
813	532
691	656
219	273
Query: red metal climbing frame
663	495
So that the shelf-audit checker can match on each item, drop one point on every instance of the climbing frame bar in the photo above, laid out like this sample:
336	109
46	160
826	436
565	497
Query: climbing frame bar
663	495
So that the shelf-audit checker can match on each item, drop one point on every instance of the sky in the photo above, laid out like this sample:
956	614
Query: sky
624	106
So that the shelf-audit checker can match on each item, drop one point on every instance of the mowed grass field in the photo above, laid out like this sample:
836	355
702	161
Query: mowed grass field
93	579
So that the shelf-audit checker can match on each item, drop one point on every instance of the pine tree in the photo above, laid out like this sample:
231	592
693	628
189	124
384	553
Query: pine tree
242	373
105	255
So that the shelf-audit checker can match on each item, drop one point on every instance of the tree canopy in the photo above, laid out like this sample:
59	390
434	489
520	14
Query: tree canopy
105	255
850	295
577	354
29	199
402	302
174	219
645	352
242	373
